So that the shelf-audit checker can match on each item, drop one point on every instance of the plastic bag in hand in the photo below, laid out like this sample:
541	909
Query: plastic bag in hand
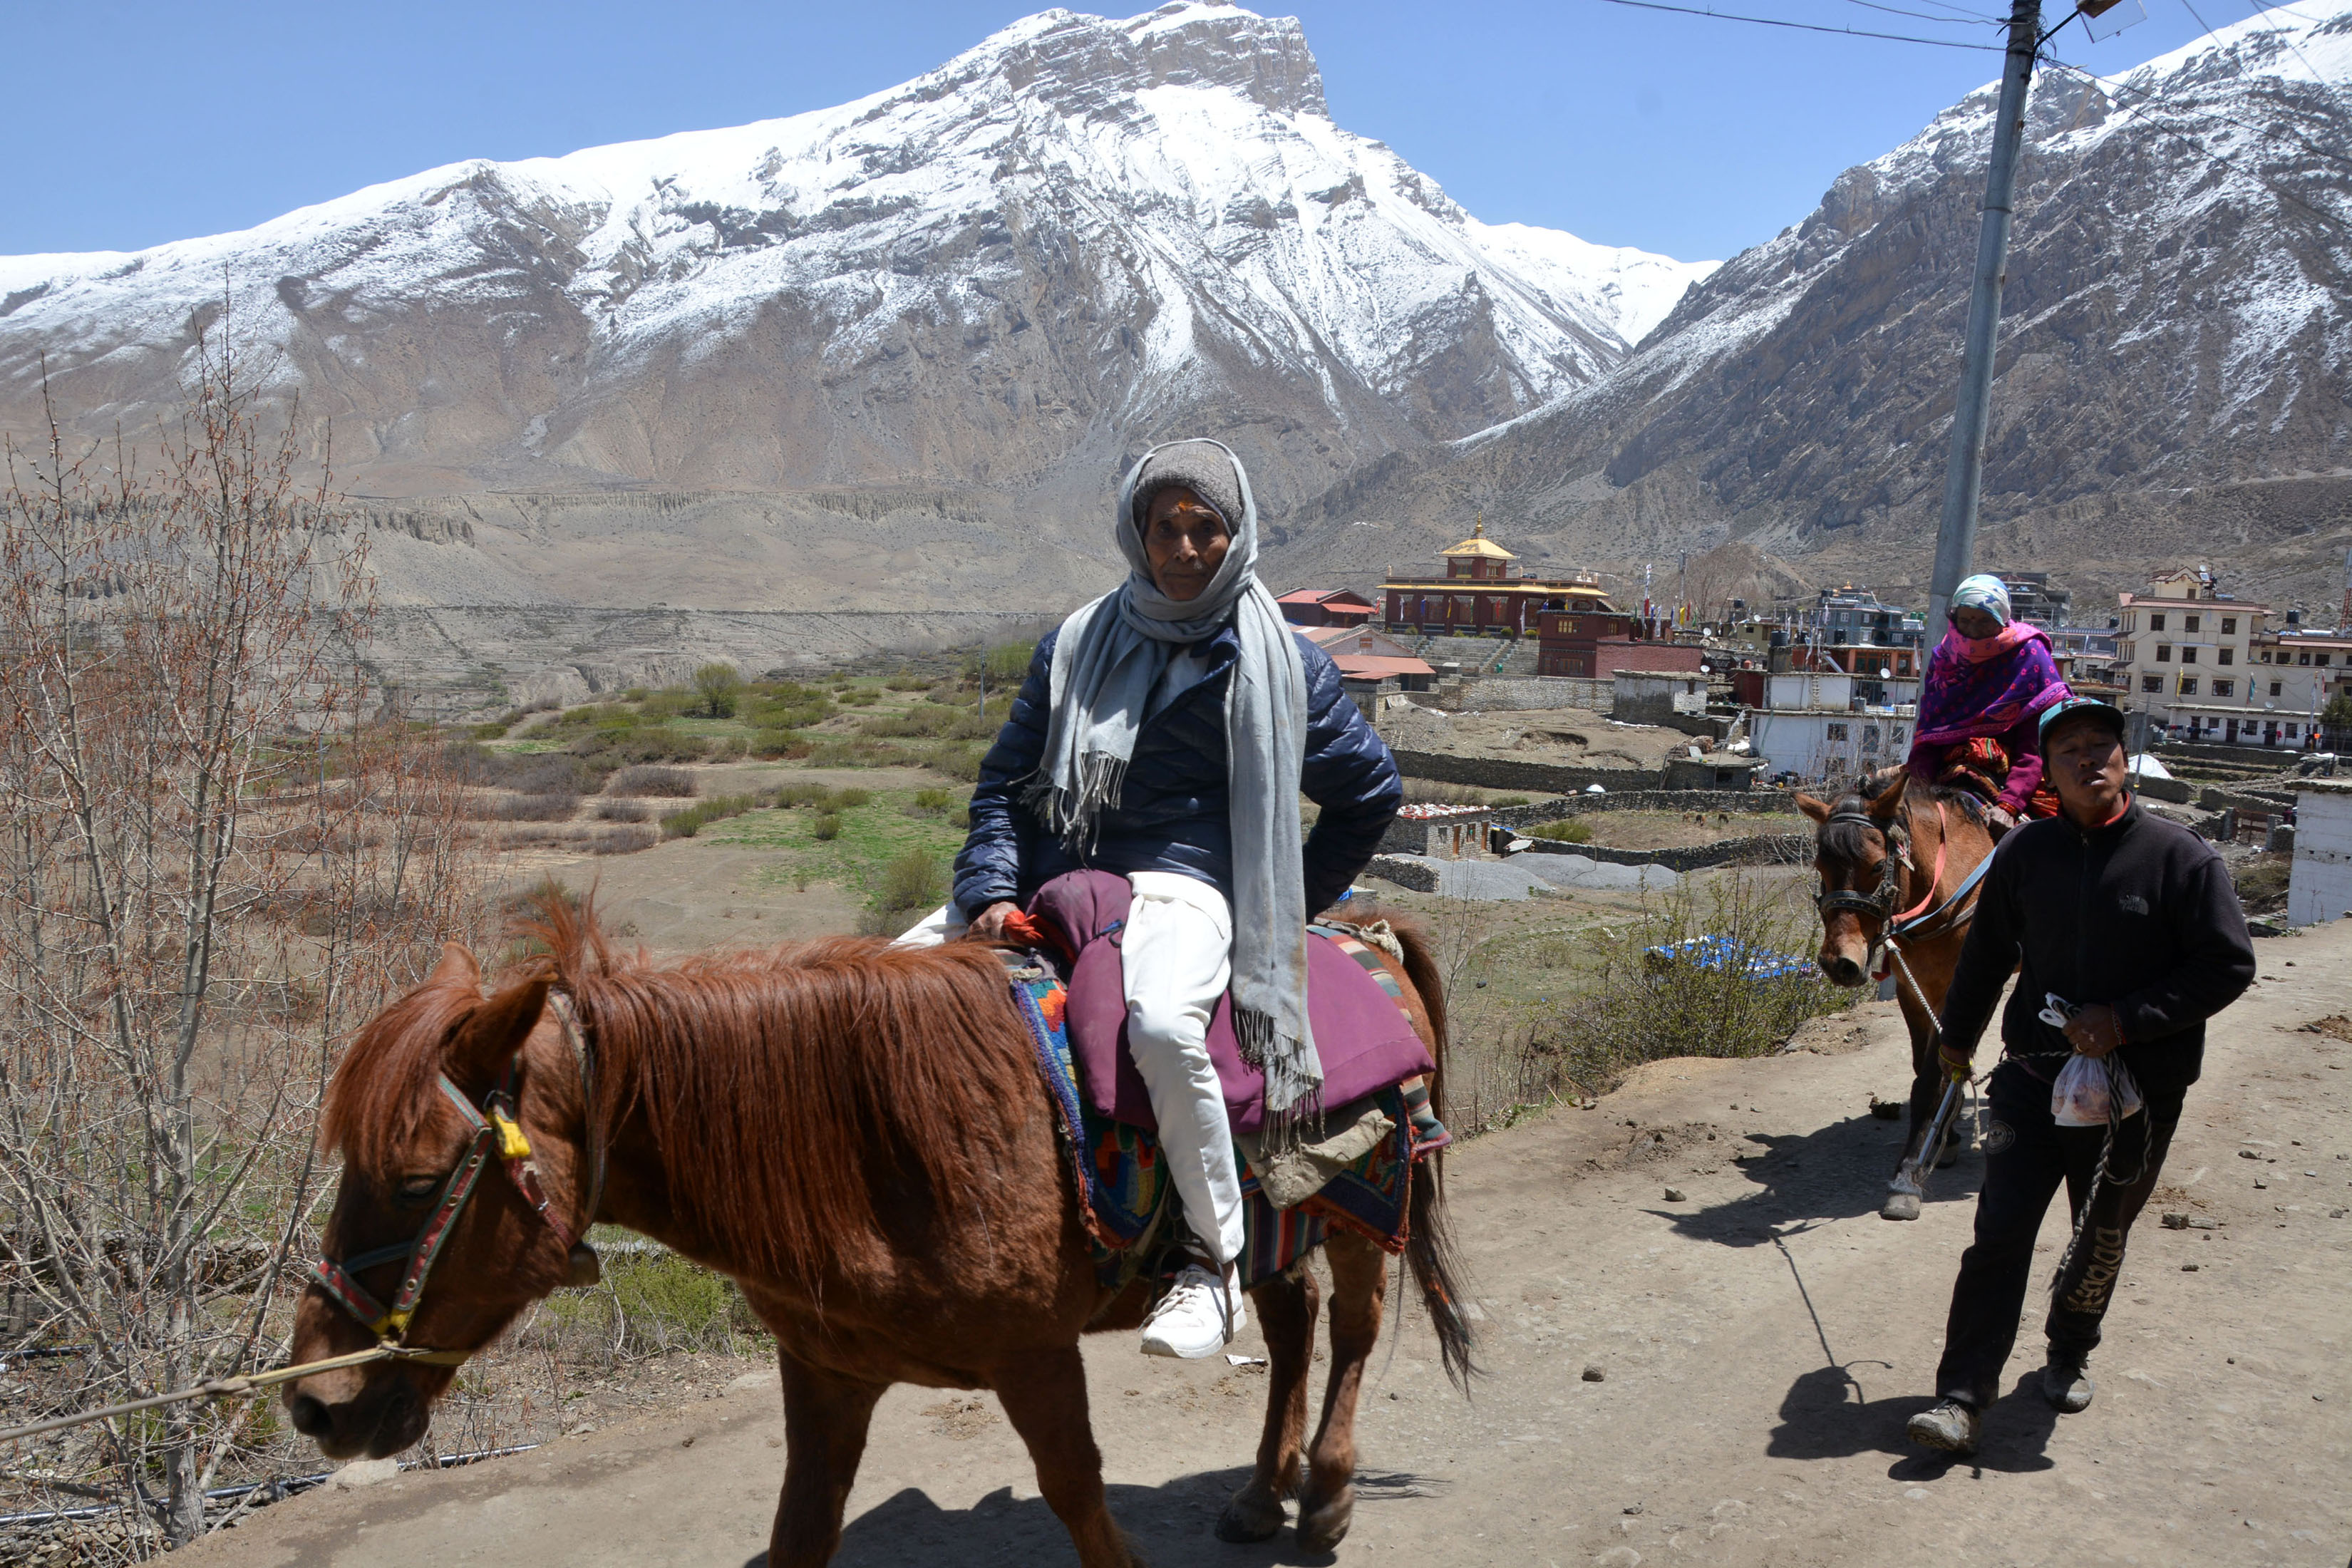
2088	1087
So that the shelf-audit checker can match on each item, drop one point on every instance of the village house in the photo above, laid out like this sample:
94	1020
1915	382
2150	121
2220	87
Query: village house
1593	642
1824	728
1325	607
1480	595
2183	655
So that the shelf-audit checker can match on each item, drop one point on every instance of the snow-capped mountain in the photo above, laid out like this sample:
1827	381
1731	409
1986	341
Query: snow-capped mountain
994	280
2176	356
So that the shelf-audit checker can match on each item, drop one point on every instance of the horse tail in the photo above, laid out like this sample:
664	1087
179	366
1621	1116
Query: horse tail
1429	1250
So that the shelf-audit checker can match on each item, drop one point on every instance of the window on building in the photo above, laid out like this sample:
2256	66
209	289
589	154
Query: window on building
2274	686
2189	654
2188	623
2228	625
2266	656
1894	738
2224	688
2303	658
2188	686
2151	683
2156	623
2288	730
2164	653
1836	732
2319	659
2227	656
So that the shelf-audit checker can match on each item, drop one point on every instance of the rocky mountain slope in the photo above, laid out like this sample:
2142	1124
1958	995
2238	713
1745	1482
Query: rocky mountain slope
2172	378
889	355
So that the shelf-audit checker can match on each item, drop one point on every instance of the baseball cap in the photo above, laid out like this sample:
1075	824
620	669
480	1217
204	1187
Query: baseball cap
2057	712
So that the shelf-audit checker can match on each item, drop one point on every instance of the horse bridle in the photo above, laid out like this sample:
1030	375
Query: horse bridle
495	1128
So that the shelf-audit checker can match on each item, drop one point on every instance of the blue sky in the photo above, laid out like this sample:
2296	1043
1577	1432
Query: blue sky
1676	133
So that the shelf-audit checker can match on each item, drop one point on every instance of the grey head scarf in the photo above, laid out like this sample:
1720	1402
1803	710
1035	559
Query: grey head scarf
1109	658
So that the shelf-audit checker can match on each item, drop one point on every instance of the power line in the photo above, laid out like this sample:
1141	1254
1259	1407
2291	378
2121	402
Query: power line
1928	15
1806	27
2283	36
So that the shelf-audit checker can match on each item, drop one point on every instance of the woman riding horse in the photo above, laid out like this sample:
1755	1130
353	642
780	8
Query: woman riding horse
1987	684
1164	733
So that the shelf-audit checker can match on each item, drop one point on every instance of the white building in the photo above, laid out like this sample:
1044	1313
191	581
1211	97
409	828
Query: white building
2319	886
2183	652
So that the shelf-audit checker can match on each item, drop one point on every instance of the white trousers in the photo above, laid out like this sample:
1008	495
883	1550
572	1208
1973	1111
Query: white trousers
1178	952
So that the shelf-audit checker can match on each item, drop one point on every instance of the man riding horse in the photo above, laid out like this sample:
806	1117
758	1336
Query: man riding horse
1987	683
1164	733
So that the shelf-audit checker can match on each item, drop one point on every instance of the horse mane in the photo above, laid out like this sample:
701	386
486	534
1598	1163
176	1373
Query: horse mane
1844	841
784	1088
382	1092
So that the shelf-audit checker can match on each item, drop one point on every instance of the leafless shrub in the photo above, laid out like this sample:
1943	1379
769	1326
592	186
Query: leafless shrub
219	855
623	811
647	780
505	806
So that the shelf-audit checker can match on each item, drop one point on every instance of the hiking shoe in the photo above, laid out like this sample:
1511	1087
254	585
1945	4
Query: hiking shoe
2066	1385
1952	1426
1198	1317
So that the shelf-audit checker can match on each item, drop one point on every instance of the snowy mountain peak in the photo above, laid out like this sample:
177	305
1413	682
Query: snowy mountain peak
1081	230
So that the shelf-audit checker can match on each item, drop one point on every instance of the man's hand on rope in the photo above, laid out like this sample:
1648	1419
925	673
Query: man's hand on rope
1958	1069
2094	1030
990	924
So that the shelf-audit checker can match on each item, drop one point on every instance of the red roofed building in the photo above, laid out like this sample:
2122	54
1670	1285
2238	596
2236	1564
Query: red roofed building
1320	607
1364	653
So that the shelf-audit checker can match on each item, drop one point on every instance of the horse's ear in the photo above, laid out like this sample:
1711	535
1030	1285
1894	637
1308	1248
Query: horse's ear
1885	804
496	1030
456	968
1818	810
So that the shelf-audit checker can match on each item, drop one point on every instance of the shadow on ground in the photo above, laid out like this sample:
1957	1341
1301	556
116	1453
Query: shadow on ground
1837	1173
1174	1526
1826	1416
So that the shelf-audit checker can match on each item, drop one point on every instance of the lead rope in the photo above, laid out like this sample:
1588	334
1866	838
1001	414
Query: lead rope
2102	1176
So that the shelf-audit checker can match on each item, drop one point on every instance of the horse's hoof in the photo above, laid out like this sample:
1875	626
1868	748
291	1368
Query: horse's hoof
1253	1515
1322	1526
1900	1205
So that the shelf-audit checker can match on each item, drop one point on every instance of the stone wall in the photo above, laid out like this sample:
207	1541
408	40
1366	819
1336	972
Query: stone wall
1762	850
1510	694
1500	772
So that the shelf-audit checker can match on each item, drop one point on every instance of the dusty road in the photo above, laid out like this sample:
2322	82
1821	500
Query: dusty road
1760	1343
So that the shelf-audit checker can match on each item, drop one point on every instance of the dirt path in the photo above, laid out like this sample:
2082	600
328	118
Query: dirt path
1761	1344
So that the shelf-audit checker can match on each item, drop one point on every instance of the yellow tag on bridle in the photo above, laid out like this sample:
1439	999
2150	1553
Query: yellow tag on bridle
513	1145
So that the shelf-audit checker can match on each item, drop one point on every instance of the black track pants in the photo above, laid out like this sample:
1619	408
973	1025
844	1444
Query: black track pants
2027	1154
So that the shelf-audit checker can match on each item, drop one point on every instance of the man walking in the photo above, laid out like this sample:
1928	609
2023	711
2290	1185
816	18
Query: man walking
2126	926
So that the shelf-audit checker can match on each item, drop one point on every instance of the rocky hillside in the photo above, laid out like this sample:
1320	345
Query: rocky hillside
2172	379
889	355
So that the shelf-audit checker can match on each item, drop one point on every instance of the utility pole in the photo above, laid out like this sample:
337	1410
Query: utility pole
1956	535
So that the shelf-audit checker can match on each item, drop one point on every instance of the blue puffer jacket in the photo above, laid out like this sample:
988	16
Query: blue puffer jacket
1171	815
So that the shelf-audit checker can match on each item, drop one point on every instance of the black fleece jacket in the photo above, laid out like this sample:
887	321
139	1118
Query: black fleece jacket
2139	914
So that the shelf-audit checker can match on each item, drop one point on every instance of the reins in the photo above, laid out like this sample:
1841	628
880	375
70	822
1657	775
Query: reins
496	1128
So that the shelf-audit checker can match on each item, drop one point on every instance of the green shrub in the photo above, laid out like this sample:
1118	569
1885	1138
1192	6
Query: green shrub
931	802
908	683
1568	830
489	731
667	703
916	881
827	826
774	744
956	759
929	721
719	687
692	820
803	794
865	697
850	799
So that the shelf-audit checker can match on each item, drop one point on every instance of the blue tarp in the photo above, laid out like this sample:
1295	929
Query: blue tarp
1722	953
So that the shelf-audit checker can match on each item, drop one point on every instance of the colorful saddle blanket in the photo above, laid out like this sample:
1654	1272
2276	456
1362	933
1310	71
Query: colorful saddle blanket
1132	1218
1361	1034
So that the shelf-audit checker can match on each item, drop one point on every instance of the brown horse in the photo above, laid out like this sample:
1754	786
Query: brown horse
859	1136
1895	860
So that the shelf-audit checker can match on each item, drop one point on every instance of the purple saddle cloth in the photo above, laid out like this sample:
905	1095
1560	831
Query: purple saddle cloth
1363	1037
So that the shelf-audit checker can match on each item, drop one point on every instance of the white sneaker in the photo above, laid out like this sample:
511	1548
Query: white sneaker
1198	1317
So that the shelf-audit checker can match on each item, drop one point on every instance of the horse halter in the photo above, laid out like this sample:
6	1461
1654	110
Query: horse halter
1882	903
496	1126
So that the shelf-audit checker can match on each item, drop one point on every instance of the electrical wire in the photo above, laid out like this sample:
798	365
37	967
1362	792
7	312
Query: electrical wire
1806	27
1927	15
2283	36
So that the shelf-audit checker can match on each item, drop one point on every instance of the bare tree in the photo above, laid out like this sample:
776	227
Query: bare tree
217	854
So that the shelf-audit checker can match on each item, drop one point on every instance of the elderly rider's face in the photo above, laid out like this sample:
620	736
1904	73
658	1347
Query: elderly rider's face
1185	542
